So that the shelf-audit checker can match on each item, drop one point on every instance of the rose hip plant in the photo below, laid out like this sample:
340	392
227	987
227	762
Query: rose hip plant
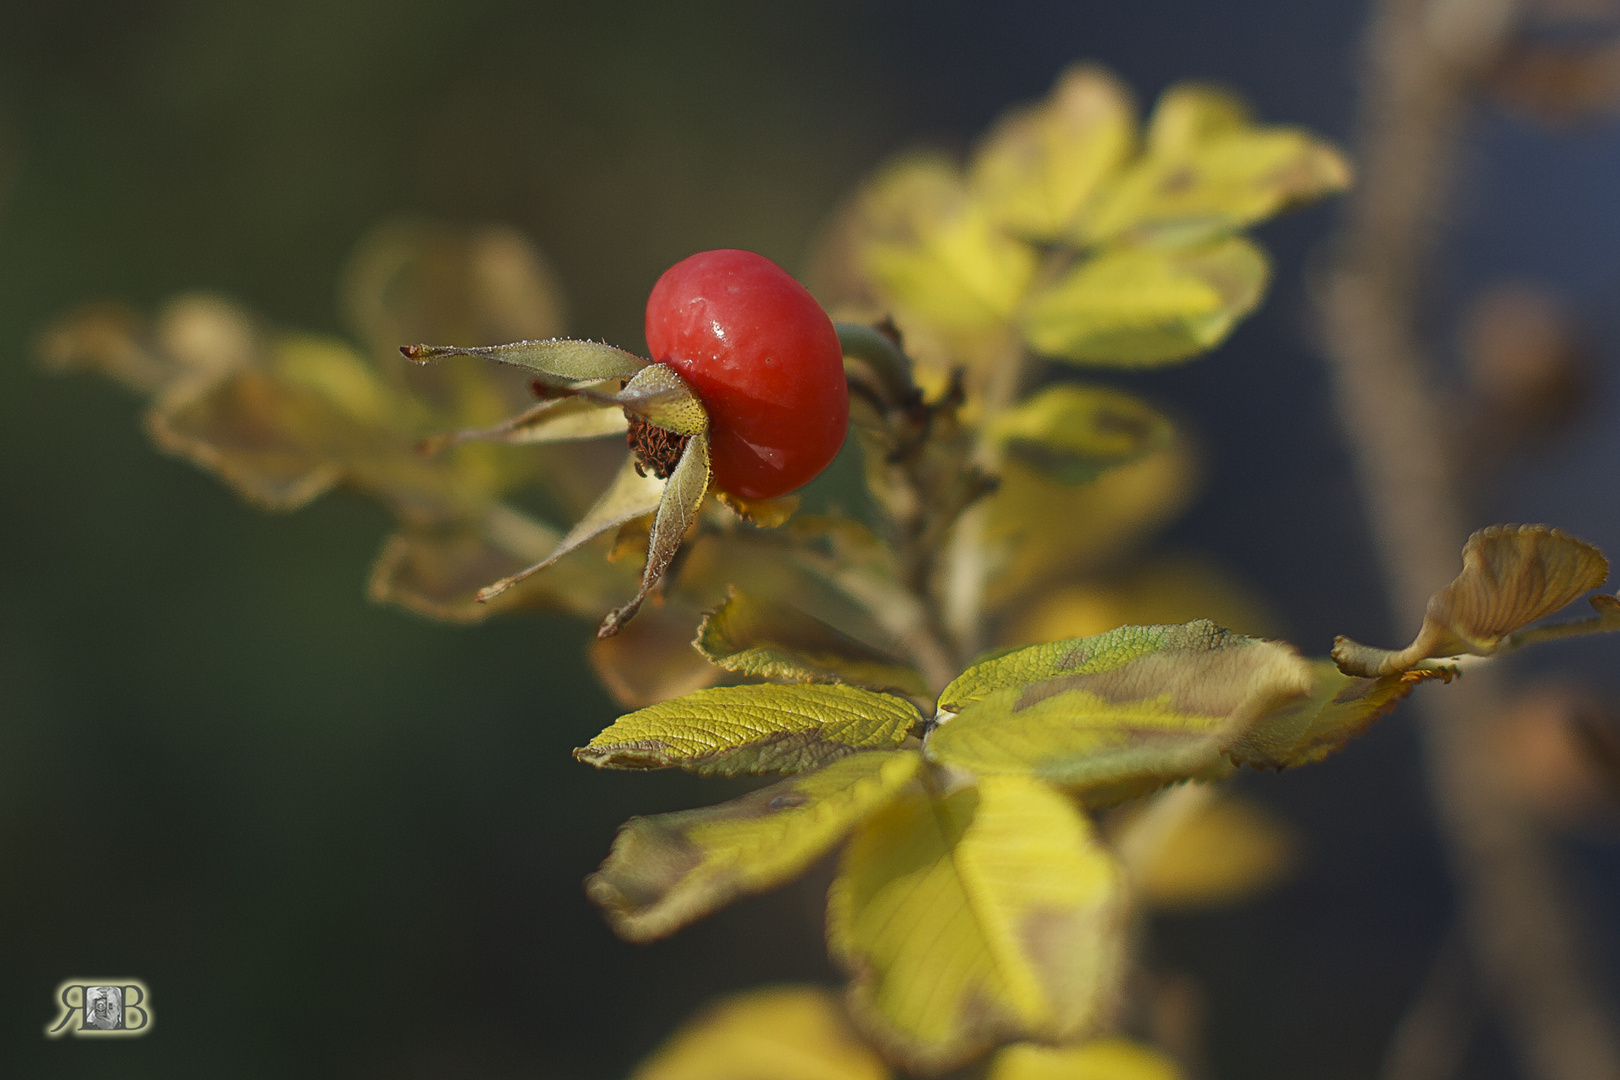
981	685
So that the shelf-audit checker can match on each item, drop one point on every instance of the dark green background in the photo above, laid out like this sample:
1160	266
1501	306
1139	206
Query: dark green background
336	840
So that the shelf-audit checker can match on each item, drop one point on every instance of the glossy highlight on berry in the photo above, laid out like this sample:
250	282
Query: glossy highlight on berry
763	357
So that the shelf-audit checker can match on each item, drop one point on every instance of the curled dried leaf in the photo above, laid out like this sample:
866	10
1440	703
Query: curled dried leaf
1513	575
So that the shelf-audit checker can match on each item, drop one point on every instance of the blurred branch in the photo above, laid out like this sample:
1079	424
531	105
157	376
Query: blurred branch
1432	1038
1424	58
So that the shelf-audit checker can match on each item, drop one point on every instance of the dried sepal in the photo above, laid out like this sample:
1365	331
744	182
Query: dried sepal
564	362
677	512
1513	575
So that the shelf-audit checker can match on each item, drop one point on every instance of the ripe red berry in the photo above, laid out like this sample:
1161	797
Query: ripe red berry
763	357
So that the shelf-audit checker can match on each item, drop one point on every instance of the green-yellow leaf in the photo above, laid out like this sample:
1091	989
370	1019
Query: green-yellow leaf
669	870
988	915
761	728
677	511
935	253
1208	171
775	640
559	361
776	1033
1115	715
1040	164
1512	576
1339	708
1099	1059
1140	306
1073	434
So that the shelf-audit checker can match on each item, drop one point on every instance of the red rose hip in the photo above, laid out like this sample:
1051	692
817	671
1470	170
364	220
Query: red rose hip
763	357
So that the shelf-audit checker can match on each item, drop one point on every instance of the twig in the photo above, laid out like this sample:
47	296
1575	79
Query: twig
1432	1038
1522	927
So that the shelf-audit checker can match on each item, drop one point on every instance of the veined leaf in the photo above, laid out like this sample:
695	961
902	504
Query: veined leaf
669	870
630	495
1040	164
1339	708
1143	306
934	252
778	1033
1099	1059
779	641
677	511
1209	172
987	915
730	730
1073	434
558	361
1512	576
1115	715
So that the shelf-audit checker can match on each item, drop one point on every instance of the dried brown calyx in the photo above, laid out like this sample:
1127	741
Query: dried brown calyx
657	449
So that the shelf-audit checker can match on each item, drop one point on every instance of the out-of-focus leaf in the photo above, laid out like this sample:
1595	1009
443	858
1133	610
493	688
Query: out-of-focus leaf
760	728
1099	1059
1512	576
1196	849
652	658
1208	172
777	1033
196	339
1073	434
1145	306
677	511
631	495
1115	715
987	915
669	870
763	513
779	641
935	254
1339	708
1040	164
1037	530
562	362
1165	589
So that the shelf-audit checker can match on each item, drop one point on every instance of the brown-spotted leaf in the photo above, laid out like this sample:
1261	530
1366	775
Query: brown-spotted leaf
677	512
780	641
1119	714
983	916
672	869
1513	575
1338	708
757	728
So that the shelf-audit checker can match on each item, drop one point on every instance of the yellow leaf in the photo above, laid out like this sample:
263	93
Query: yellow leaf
1512	576
1100	1059
1118	714
988	915
776	640
333	370
1339	708
1073	434
669	870
1039	164
1208	172
1144	306
761	728
1204	850
935	254
777	1033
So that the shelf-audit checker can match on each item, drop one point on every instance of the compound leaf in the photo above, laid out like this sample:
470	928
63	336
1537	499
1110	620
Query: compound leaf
1099	1059
1118	714
1512	576
780	641
1074	434
762	728
983	916
1208	172
1039	165
777	1033
669	870
1140	306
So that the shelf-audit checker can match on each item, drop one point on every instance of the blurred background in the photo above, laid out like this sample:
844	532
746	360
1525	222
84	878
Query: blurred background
337	840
